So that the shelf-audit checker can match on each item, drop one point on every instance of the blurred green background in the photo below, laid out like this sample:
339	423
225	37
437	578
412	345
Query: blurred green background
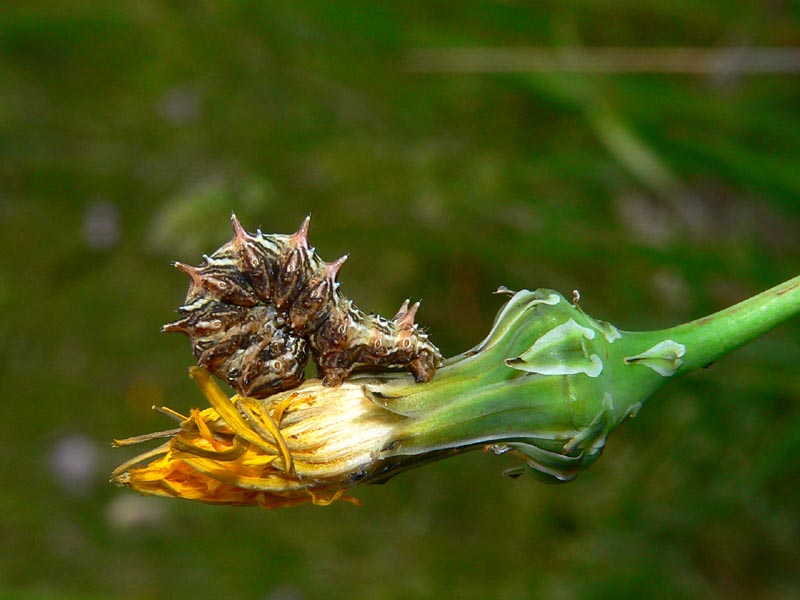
130	131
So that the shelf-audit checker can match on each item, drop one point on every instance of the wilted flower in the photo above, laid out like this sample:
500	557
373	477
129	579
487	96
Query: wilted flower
309	444
547	385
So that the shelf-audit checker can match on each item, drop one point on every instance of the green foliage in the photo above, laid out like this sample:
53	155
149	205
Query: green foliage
129	131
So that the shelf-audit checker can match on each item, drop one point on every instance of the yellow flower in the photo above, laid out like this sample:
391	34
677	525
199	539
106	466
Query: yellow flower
304	445
547	386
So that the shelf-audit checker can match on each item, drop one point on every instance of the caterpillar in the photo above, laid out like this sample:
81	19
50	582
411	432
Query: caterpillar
260	306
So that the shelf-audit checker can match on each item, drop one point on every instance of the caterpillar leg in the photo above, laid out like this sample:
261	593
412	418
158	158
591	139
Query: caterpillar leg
423	366
334	376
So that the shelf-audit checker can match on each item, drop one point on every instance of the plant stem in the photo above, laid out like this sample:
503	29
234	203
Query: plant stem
712	337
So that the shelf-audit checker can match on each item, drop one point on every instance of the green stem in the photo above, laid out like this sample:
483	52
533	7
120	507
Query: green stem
709	338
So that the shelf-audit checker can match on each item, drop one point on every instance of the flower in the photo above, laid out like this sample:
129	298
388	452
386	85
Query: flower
547	385
305	445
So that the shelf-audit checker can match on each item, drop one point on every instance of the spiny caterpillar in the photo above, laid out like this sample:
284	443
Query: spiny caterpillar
261	304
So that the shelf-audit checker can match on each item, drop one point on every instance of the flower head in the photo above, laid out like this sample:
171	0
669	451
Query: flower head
547	385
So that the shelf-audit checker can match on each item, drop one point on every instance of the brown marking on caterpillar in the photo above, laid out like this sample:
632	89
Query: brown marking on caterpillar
261	304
